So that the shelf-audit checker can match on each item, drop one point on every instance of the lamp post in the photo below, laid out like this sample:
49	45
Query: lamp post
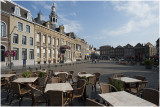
9	43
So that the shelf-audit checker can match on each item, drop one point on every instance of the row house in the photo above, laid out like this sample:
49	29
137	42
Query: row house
139	53
105	52
20	32
36	41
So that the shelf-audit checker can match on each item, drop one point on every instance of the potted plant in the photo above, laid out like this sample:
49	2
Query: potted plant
27	74
41	74
87	82
148	64
118	84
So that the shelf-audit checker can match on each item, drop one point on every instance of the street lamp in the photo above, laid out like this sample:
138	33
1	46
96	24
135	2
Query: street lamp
9	43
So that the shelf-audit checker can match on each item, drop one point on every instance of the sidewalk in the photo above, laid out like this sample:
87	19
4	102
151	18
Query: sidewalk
39	66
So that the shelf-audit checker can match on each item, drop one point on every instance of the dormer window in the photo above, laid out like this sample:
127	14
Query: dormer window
17	11
29	16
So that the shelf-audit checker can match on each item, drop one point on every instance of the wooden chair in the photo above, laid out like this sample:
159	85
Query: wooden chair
140	78
92	80
97	77
5	83
79	90
34	75
11	72
151	95
107	88
17	90
93	103
63	77
37	96
54	80
55	98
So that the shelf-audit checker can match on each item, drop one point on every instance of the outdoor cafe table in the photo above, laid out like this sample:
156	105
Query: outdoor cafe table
123	98
26	80
56	73
7	75
59	86
86	75
127	79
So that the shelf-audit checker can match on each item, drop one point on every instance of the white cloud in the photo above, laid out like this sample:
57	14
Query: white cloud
73	14
69	25
143	15
43	4
34	7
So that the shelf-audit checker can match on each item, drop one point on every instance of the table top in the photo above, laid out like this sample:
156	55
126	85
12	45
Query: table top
26	80
86	75
123	98
56	73
127	79
7	75
59	86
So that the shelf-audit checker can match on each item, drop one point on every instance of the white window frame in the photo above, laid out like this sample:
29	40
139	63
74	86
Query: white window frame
22	39
49	53
16	53
13	38
17	11
38	37
18	26
29	16
29	29
30	54
30	41
22	53
44	39
38	52
5	29
44	53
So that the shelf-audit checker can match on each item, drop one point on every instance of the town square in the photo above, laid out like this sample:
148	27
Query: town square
79	53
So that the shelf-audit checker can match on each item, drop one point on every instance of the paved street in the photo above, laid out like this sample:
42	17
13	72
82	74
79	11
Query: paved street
107	69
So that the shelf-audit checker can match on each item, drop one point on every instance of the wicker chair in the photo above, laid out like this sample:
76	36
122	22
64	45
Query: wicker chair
55	98
93	103
137	88
34	75
106	88
41	83
97	77
63	77
54	80
17	90
70	76
92	80
37	98
11	72
79	91
151	95
5	83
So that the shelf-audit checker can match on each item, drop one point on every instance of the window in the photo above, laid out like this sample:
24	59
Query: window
49	40
53	41
15	38
62	42
44	39
31	41
38	37
31	54
57	42
17	54
53	52
24	40
24	53
17	11
49	53
29	16
38	52
27	28
20	26
3	29
44	53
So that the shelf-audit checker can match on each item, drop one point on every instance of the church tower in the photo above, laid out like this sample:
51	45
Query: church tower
53	17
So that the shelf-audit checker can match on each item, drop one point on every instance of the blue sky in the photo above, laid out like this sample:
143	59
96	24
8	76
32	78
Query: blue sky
104	22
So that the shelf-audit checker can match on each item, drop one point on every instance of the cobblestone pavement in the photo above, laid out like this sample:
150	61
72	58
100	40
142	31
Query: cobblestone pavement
106	68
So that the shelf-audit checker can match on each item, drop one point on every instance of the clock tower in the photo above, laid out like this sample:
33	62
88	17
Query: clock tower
53	17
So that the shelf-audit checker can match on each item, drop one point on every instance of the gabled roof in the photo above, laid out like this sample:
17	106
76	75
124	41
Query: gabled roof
139	45
119	46
8	6
128	46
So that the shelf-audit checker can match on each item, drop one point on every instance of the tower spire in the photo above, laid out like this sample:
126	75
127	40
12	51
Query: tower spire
53	17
